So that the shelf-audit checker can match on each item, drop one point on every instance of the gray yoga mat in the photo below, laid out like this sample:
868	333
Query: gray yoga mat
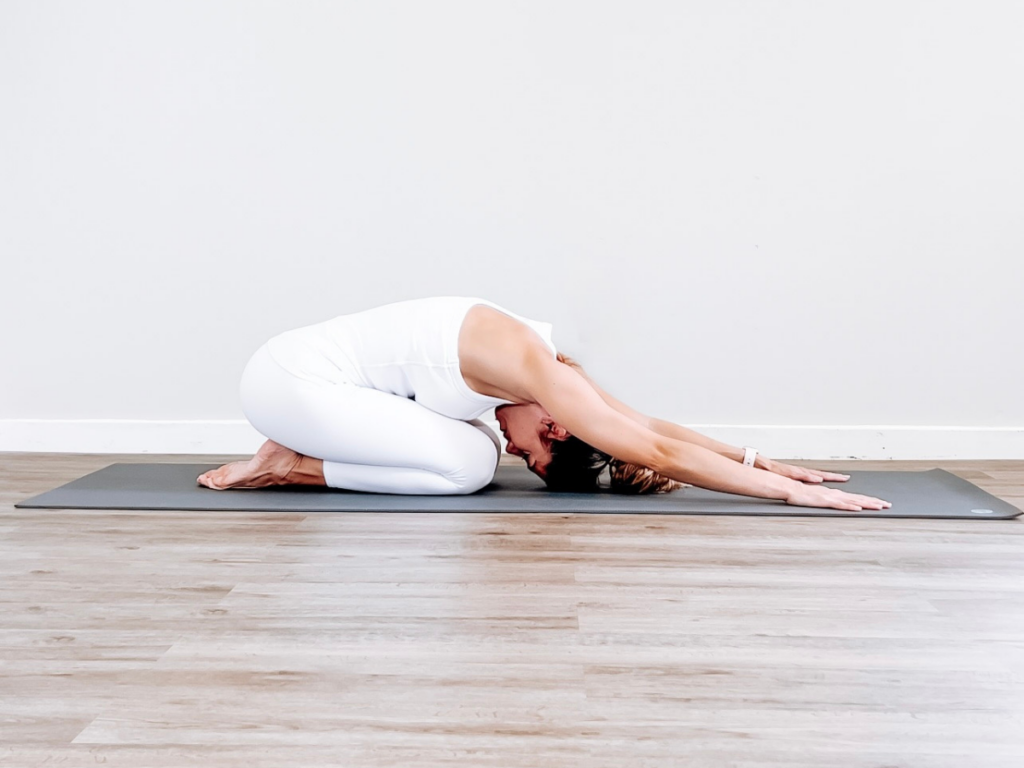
935	493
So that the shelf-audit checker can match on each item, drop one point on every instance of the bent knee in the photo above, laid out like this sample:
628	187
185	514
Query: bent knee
474	465
473	474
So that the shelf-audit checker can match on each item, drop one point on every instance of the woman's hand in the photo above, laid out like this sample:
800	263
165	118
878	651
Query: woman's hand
798	473
819	496
801	495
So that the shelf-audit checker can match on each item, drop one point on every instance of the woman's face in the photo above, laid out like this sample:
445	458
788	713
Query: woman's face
529	430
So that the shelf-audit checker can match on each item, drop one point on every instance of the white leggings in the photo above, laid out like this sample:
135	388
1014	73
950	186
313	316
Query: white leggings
369	440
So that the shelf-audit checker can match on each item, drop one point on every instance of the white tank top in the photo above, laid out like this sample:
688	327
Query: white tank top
408	348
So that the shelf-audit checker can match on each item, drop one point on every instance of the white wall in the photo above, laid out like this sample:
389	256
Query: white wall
798	221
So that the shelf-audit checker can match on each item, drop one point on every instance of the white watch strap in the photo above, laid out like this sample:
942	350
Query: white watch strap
749	454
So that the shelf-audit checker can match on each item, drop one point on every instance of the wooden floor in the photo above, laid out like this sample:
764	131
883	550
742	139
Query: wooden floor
135	638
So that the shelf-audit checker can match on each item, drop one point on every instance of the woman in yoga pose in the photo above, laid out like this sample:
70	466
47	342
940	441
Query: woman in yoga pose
387	401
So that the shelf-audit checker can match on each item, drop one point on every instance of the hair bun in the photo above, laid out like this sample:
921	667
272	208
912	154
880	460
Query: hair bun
636	479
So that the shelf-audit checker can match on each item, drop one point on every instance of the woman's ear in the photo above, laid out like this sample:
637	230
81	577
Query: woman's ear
556	431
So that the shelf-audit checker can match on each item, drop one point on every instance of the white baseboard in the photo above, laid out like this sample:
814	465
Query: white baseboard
776	441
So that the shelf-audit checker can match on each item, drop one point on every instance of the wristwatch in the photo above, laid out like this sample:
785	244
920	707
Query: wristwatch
749	455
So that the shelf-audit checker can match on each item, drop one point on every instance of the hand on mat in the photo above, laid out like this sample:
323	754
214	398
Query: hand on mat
832	498
802	473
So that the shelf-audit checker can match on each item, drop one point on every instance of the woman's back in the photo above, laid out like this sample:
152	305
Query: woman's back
407	348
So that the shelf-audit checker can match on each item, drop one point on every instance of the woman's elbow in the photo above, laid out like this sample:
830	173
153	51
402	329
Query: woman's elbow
664	456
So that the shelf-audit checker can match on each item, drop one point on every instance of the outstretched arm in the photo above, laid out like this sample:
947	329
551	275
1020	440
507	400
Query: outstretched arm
575	404
666	428
678	432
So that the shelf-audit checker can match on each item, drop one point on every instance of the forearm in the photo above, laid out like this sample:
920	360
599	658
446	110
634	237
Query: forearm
694	464
679	432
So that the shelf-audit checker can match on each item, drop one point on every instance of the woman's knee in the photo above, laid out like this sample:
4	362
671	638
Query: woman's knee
472	483
475	460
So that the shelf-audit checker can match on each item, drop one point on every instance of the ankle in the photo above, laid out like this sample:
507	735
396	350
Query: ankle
308	471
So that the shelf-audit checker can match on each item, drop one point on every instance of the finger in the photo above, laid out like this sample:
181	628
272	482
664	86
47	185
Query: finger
831	475
865	501
870	501
807	475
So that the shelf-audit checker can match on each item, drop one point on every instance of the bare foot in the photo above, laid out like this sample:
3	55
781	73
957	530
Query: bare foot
273	464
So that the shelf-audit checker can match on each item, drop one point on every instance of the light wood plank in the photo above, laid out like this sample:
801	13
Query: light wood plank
133	638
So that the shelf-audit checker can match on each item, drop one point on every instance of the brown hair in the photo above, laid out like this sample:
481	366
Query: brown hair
576	466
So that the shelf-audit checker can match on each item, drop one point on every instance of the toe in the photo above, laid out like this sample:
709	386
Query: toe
208	479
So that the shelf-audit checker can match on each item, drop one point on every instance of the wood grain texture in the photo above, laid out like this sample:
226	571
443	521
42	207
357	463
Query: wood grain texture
523	641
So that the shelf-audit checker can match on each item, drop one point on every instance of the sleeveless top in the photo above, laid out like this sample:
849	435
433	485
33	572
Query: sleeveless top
408	348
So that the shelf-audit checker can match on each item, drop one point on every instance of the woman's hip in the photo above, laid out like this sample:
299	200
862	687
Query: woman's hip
347	422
